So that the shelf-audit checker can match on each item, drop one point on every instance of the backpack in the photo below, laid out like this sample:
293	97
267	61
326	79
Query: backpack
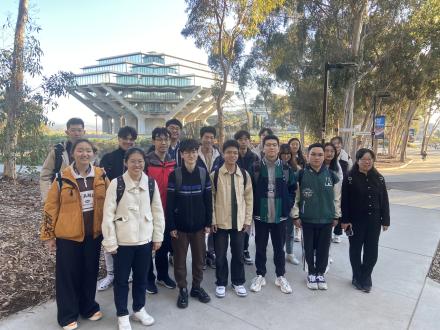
59	149
243	172
120	188
178	174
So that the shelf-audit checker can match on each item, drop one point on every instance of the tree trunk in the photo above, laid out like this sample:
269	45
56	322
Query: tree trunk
359	12
411	111
14	93
436	124
248	113
427	118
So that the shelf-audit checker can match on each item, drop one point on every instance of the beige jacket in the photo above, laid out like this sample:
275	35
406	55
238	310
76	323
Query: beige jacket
134	221
47	172
221	198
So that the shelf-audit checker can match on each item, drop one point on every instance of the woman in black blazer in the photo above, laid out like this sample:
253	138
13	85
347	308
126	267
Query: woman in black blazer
365	211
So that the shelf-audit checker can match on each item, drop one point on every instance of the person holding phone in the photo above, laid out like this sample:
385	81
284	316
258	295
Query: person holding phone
365	211
133	227
232	216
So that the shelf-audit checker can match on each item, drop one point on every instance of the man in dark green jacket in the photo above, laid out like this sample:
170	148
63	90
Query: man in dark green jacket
317	210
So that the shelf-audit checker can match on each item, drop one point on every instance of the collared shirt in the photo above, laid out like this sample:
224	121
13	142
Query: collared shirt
85	186
270	190
234	206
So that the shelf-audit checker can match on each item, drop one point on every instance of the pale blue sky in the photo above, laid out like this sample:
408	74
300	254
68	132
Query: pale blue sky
75	33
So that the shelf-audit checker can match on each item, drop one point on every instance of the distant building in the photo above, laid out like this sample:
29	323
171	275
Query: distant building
144	90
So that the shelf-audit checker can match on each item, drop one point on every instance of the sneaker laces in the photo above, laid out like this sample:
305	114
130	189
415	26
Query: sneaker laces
320	278
283	281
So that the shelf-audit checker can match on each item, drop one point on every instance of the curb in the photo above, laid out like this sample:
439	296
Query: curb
397	167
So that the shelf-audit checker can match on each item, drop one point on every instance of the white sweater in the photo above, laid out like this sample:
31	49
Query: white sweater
134	221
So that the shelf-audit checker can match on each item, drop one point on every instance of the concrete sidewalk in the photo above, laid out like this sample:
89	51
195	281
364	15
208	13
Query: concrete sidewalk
401	298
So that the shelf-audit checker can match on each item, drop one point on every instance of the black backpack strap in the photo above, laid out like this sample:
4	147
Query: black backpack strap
151	188
243	172
59	180
120	188
58	149
178	175
216	179
202	172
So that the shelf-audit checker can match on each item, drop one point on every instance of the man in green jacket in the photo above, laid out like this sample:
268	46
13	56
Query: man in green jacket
317	210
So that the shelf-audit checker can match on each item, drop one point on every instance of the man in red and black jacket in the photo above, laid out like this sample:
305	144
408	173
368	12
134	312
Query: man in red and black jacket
159	165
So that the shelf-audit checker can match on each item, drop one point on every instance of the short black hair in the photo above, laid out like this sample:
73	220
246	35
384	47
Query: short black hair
361	152
271	137
208	129
74	121
230	144
242	133
336	138
159	131
125	131
315	145
134	150
188	145
174	121
265	129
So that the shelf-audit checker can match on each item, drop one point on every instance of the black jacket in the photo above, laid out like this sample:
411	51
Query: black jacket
113	163
248	160
364	196
189	209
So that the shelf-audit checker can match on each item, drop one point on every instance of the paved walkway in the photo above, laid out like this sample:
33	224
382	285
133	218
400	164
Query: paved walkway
402	297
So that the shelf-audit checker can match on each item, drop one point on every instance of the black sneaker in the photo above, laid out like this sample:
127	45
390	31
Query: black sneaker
247	258
200	294
167	282
151	288
210	259
171	259
357	284
367	284
182	299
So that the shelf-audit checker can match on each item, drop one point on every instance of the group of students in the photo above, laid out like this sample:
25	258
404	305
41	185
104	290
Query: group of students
187	194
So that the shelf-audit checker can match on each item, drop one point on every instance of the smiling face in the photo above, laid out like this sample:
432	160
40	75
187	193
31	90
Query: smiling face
135	164
316	157
174	131
126	143
208	140
231	155
83	153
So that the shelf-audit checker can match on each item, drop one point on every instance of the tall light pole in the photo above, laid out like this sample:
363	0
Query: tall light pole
329	66
380	95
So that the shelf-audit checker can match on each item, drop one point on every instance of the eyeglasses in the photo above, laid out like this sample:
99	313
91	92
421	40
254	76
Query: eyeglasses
161	140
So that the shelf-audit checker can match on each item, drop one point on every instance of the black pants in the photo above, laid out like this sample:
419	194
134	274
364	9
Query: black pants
210	245
138	259
77	266
221	241
317	238
246	241
366	236
161	260
278	237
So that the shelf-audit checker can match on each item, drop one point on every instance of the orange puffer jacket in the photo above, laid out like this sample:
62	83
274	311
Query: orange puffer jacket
63	216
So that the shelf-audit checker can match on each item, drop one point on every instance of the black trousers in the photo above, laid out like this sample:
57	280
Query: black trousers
138	259
246	241
161	260
221	242
366	237
278	237
317	239
76	272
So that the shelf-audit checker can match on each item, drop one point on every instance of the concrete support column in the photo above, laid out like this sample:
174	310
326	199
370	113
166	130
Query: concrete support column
116	124
130	120
106	125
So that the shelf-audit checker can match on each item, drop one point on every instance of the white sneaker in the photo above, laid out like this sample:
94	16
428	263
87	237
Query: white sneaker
240	290
337	239
143	317
124	323
71	326
284	285
311	282
322	283
220	291
257	283
105	283
292	259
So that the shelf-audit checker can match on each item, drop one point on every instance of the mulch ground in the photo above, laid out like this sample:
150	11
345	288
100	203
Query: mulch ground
434	272
27	270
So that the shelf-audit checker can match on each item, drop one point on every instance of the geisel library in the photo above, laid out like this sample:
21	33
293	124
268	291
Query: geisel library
144	90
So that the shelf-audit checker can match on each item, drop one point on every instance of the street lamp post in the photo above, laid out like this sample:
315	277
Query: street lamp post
376	95
328	66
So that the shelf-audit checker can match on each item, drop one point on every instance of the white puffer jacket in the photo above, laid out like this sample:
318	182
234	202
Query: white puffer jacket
134	221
